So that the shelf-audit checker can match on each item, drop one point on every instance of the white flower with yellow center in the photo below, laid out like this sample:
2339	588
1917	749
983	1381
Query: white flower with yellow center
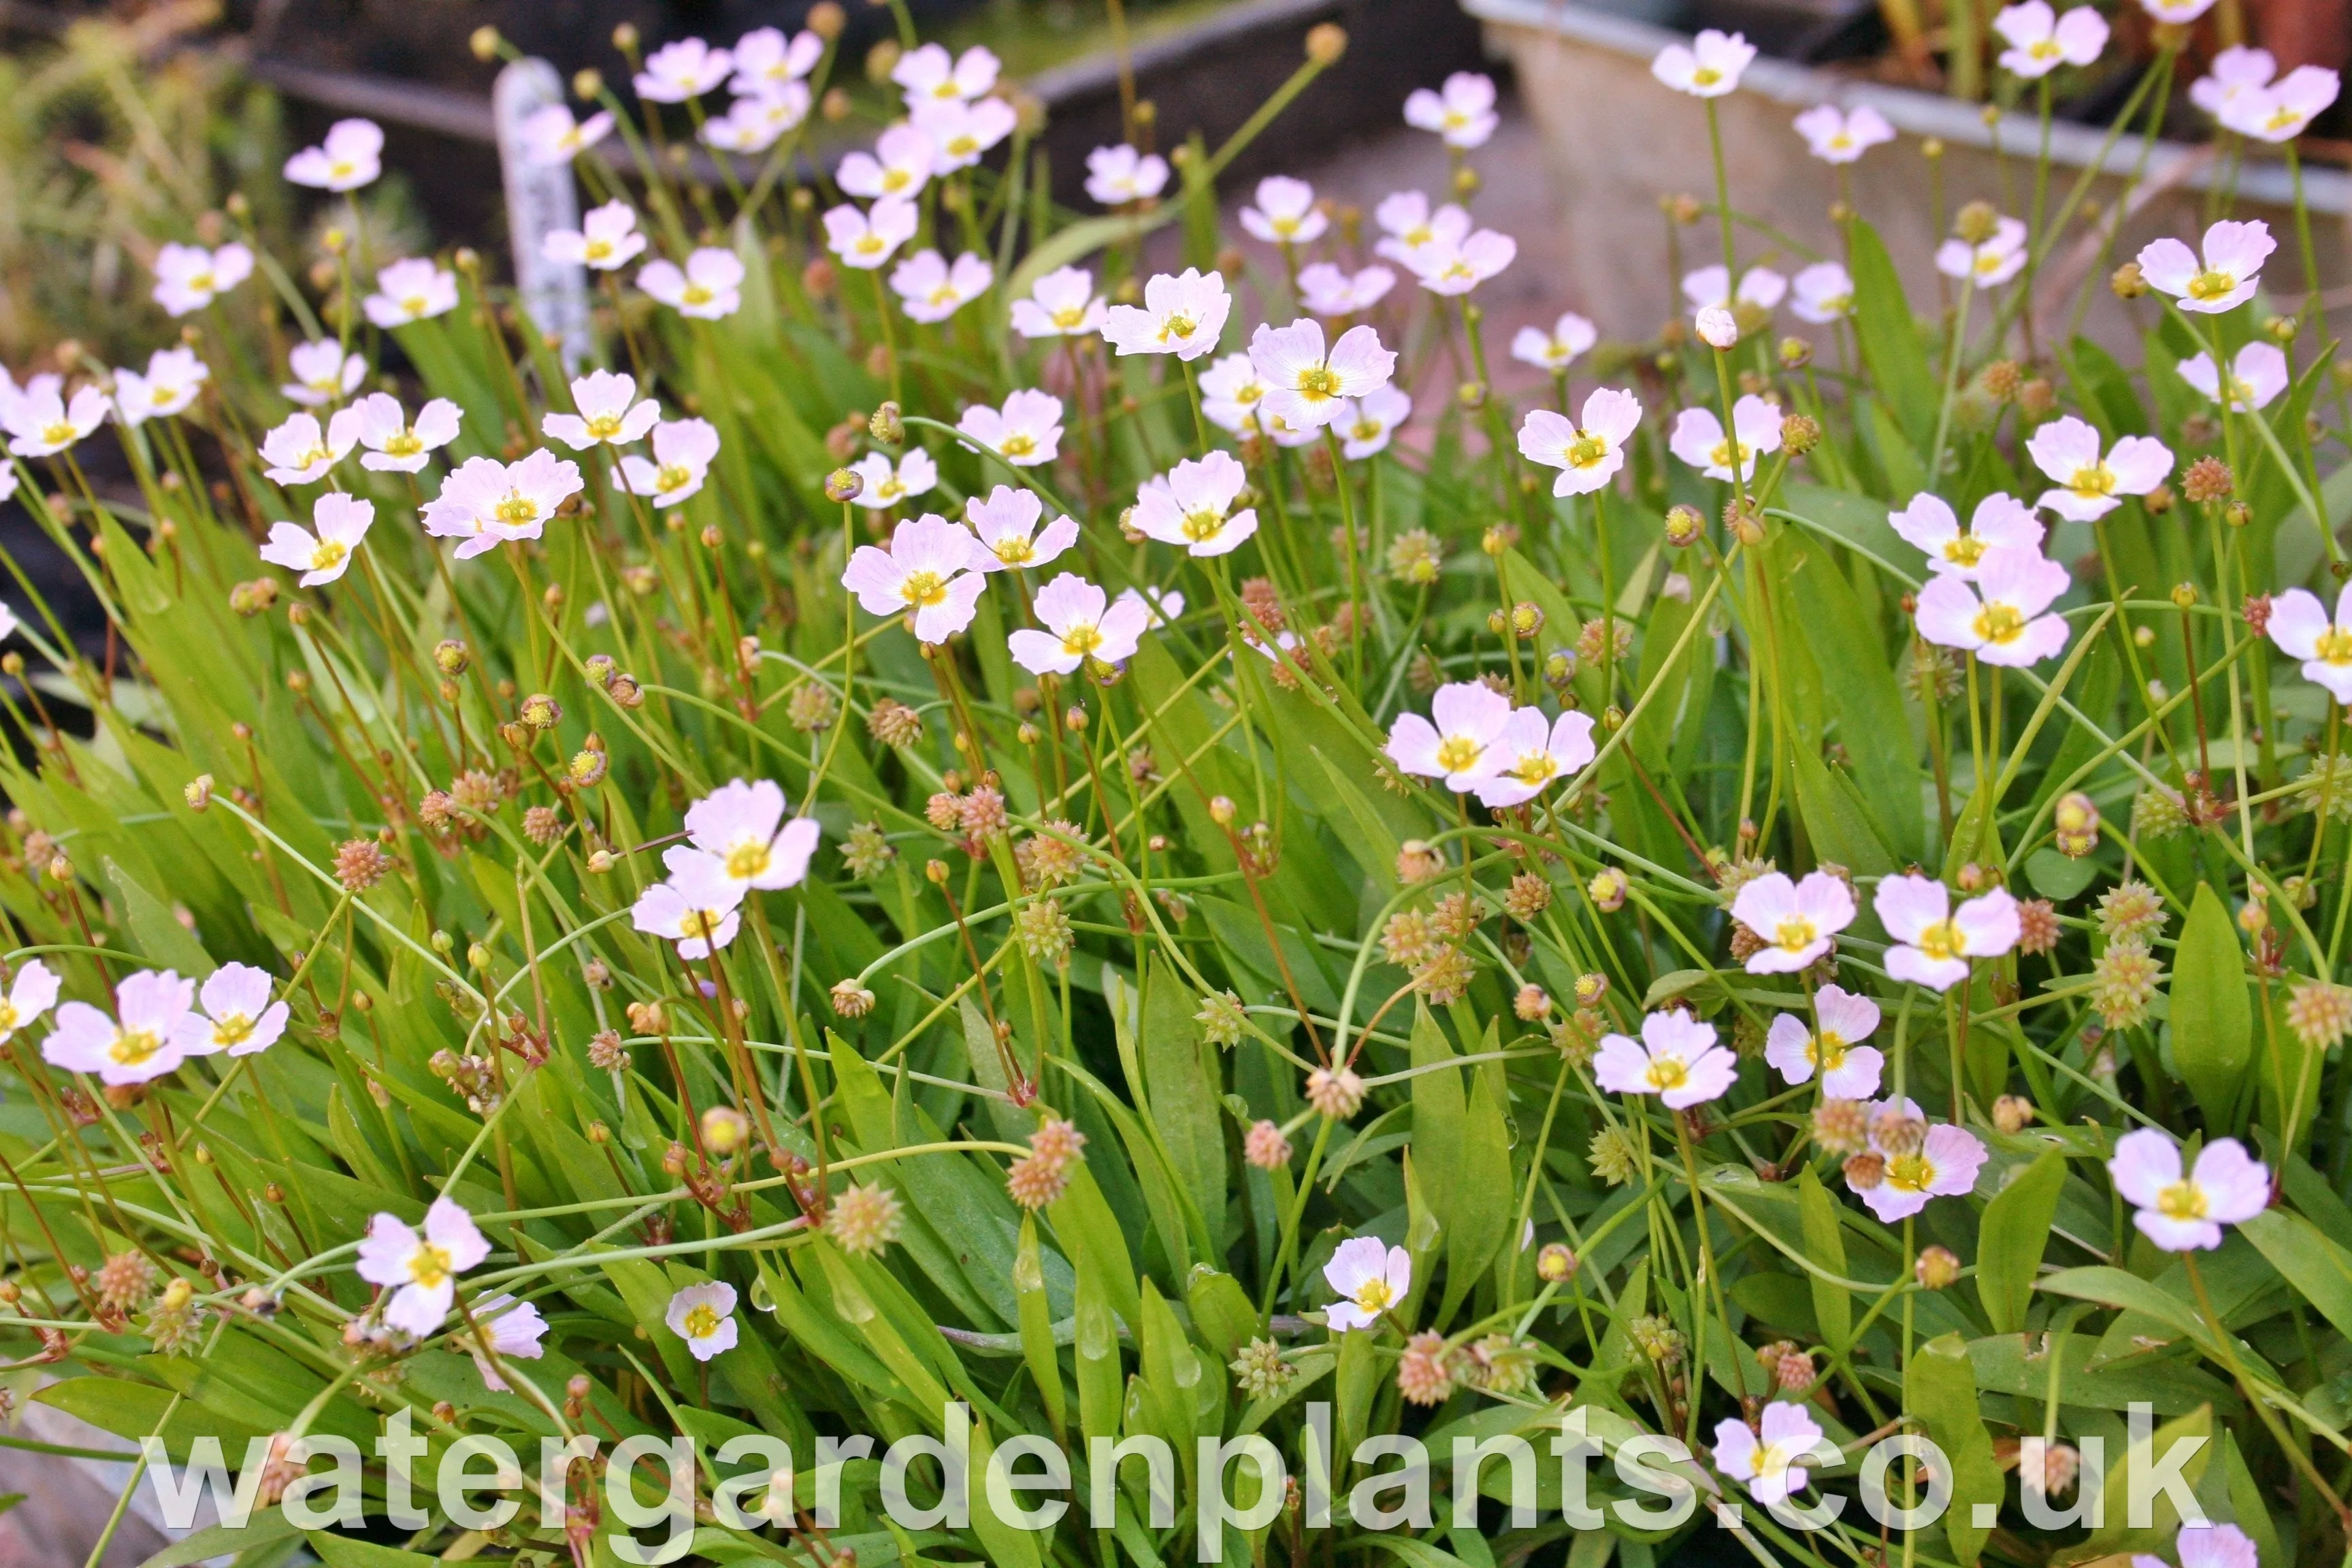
704	1317
340	520
1369	1278
421	1270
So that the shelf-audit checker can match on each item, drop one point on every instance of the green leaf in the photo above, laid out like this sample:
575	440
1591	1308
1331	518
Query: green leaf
2010	1239
2059	877
2319	1271
2212	1020
1836	819
343	1552
1825	1245
219	1539
1941	1388
167	944
1890	338
1182	1095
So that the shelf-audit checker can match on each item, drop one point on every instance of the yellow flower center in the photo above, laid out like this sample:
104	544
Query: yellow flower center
2184	1199
1020	444
1793	934
747	860
59	434
414	304
405	445
1178	327
1668	1073
1318	383
1963	550
516	510
695	294
1726	453
672	476
1285	226
342	169
1586	450
2332	645
1013	551
8	1018
201	283
1459	754
1365	429
702	923
428	1265
2098	480
868	245
132	1046
232	1030
889	489
1910	1172
963	147
1942	940
2211	284
603	426
1706	76
328	553
701	1321
1826	1051
1375	1295
1200	527
1999	622
1534	768
1069	316
896	179
1081	639
924	588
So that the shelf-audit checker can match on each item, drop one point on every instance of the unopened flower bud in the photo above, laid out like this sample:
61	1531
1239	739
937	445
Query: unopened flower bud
1977	222
2012	1113
1938	1268
843	485
198	791
485	43
1717	327
2237	514
1222	810
1325	43
1471	395
587	84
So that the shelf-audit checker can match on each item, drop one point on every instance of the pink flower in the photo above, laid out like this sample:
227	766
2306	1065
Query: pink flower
513	1329
1465	743
1698	438
609	411
1026	432
42	422
740	833
685	69
1841	138
930	73
149	1041
173	378
1081	625
709	288
1556	350
1183	315
343	522
1795	919
2087	486
411	290
322	372
421	1271
2281	111
1462	111
1450	267
239	1016
1286	213
486	501
930	289
1532	755
1823	294
188	277
2224	278
900	165
1370	1279
961	131
1061	304
1364	425
1192	505
1759	286
887	484
1676	1059
1934	943
2000	521
1328	290
2207	1546
1231	390
1774	1464
2181	12
1587	455
2235	72
351	156
766	60
299	452
33	993
2257	375
704	1317
2302	630
550	136
1118	176
1006	523
1945	1165
606	240
1991	262
2040	40
1707	66
393	444
1304	381
1848	1070
756	121
929	568
699	908
2186	1213
682	451
1409	226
